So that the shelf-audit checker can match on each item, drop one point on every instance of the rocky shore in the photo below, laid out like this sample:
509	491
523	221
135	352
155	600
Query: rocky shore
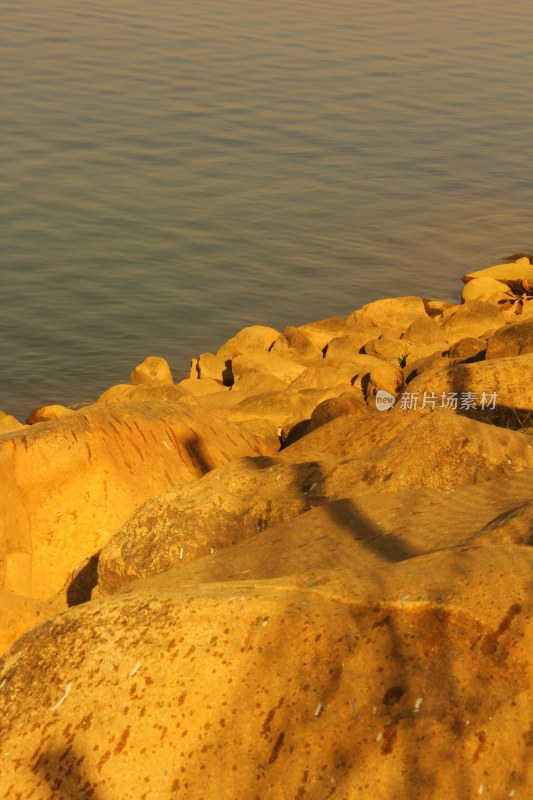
305	571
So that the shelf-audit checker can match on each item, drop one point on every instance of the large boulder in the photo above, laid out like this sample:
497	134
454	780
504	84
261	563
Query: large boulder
46	413
230	504
9	424
17	615
329	654
473	318
68	485
267	363
255	338
501	382
154	371
294	344
511	340
391	312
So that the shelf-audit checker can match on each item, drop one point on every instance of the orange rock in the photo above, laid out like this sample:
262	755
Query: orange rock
46	413
9	424
68	485
17	615
154	371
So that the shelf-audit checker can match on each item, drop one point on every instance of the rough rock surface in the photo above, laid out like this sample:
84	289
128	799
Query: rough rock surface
512	340
154	371
17	615
232	503
71	483
348	617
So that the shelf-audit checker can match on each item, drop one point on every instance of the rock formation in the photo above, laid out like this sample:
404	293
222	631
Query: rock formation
257	580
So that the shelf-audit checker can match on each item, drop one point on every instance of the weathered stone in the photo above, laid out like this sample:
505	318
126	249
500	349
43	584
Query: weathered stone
281	408
199	388
17	615
348	403
126	393
46	413
69	484
154	371
325	374
482	452
469	348
506	378
381	645
519	270
230	504
267	363
512	340
9	424
392	350
391	312
323	331
256	382
354	342
216	368
483	288
295	345
254	338
425	331
472	319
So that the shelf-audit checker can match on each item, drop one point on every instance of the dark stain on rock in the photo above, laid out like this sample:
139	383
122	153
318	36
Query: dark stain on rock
393	695
389	736
482	739
489	643
277	747
381	622
122	741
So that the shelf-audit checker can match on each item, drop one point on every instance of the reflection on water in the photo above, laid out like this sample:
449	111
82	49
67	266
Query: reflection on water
173	172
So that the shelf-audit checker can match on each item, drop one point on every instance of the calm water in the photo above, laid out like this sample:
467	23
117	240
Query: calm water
174	171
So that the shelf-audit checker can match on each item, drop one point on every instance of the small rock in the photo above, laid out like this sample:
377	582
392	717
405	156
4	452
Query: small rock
154	371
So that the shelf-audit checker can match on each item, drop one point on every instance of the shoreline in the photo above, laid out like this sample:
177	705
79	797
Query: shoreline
282	564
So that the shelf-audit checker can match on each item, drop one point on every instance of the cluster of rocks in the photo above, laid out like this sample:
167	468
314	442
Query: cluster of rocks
257	579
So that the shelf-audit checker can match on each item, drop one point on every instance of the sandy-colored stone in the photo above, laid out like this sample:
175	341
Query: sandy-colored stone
425	331
199	388
393	350
333	652
230	504
46	413
256	382
354	342
69	484
472	319
511	340
17	615
281	408
253	338
468	348
482	288
480	452
347	404
391	312
294	344
154	371
324	330
9	424
267	363
518	270
215	367
326	373
126	393
508	378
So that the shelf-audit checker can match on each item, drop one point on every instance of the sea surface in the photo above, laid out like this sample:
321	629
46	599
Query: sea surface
174	171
